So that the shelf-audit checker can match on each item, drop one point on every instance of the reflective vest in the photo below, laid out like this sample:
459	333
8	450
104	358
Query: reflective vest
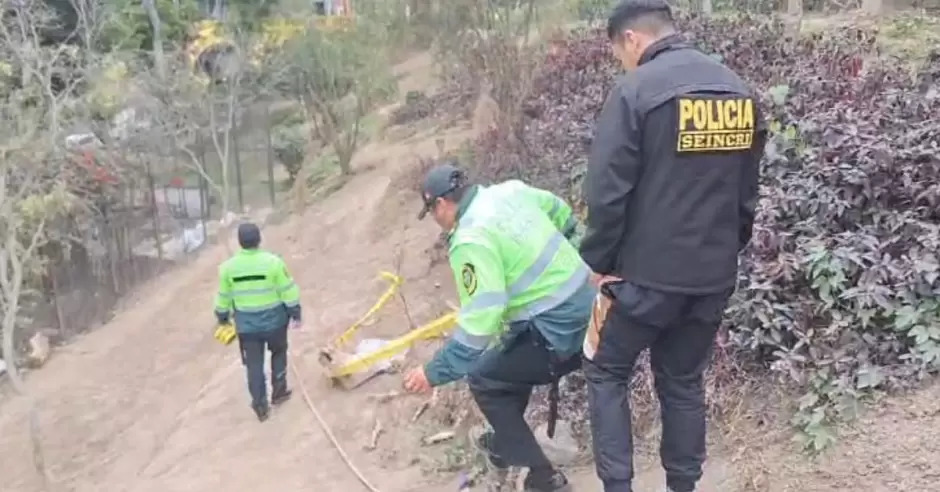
256	285
511	259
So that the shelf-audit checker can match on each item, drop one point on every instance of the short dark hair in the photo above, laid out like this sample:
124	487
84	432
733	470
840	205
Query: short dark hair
249	235
652	16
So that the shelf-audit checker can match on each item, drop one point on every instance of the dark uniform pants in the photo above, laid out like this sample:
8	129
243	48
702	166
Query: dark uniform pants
252	347
680	331
502	383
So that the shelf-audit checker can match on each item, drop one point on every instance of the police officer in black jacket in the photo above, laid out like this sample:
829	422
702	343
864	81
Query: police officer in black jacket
671	190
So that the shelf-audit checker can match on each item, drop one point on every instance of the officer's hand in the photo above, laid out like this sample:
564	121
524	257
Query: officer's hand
416	381
598	279
295	324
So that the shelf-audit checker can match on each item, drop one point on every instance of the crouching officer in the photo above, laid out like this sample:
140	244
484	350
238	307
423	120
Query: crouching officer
513	264
671	189
257	287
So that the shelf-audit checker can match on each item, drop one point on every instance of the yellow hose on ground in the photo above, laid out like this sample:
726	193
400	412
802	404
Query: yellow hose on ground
328	431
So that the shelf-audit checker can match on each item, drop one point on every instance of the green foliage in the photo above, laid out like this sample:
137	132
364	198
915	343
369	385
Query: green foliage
248	15
338	76
127	26
592	10
50	203
289	143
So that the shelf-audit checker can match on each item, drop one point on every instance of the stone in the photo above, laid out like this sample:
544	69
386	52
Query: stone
39	350
3	367
563	450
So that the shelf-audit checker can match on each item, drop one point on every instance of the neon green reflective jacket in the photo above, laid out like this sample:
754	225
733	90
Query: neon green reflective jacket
512	262
257	287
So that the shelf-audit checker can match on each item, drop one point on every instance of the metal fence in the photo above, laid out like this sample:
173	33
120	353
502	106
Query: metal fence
162	211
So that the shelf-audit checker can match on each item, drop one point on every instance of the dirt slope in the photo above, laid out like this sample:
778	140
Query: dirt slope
151	402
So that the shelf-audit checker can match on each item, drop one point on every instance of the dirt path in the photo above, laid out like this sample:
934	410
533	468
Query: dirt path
150	401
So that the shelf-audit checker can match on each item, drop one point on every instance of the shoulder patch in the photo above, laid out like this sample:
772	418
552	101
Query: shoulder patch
468	276
715	124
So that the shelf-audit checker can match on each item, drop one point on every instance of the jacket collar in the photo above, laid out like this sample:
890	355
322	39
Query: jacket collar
462	207
667	43
467	200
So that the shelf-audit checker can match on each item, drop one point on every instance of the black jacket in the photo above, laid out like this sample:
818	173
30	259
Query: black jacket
671	183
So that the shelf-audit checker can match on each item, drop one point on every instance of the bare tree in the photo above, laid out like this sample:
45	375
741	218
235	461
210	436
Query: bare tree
24	214
337	76
197	115
493	48
52	72
32	195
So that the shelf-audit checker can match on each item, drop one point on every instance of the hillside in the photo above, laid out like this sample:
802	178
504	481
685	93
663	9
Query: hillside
150	402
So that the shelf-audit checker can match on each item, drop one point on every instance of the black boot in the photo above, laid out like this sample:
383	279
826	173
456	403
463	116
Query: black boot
280	395
546	481
262	410
485	444
496	478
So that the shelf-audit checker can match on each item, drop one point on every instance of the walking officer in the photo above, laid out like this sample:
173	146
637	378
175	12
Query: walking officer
515	267
671	189
256	286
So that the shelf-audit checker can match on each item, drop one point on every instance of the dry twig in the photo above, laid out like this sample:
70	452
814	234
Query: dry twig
377	431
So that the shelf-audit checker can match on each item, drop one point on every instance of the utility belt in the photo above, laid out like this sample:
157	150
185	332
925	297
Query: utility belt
525	331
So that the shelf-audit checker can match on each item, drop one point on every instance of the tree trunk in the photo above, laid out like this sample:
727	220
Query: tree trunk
707	7
159	61
12	291
795	8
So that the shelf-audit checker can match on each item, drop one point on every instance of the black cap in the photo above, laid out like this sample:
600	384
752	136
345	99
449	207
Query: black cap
249	236
440	180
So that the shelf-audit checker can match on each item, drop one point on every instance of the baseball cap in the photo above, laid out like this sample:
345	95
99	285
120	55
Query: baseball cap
438	182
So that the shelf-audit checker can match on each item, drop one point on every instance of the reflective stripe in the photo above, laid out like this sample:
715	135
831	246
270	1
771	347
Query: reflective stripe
226	295
566	290
258	309
286	287
291	303
252	292
479	342
485	300
544	260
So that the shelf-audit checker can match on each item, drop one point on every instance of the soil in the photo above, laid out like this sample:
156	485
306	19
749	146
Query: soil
150	402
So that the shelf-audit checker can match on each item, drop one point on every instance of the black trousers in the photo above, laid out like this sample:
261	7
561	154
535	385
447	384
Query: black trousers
252	348
680	331
501	385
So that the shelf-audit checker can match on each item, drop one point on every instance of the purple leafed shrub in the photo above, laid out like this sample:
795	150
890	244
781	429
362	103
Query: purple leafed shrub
839	287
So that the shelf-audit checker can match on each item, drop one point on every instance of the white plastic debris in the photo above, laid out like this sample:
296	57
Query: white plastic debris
193	238
369	345
3	367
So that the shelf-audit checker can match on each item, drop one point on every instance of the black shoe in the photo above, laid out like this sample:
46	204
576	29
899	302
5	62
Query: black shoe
485	444
278	397
554	482
262	410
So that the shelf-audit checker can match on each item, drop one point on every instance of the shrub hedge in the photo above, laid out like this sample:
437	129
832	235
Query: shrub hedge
839	288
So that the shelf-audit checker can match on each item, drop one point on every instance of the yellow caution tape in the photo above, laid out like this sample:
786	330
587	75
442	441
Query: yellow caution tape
434	329
348	334
225	333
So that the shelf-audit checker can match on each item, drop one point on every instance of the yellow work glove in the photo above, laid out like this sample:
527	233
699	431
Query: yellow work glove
225	333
